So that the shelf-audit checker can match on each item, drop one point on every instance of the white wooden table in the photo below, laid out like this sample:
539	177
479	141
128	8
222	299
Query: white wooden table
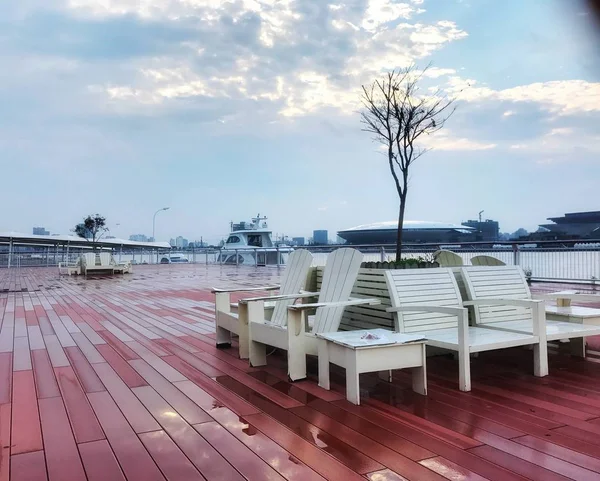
564	311
356	355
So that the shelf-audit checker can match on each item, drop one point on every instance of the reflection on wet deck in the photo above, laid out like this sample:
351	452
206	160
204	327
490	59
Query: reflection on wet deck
114	378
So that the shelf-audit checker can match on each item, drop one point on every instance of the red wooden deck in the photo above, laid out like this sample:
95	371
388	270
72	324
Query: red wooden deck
118	378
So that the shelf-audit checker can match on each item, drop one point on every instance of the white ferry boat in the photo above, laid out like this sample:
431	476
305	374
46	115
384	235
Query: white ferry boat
249	243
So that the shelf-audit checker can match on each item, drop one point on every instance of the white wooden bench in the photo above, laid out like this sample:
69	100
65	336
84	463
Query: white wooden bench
90	263
489	287
428	302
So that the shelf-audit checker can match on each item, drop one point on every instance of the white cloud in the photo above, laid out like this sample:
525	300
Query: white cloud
560	144
443	140
380	12
436	72
304	88
561	97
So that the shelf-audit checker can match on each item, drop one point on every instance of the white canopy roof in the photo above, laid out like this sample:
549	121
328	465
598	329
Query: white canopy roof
63	239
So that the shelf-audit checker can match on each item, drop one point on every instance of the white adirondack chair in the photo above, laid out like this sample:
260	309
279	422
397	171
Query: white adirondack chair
427	302
69	268
106	259
89	259
88	262
290	333
486	261
485	285
292	282
447	258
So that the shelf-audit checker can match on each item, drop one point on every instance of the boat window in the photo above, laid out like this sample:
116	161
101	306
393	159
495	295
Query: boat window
233	239
255	240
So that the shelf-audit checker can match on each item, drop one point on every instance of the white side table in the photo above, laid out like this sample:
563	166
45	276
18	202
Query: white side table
578	315
392	351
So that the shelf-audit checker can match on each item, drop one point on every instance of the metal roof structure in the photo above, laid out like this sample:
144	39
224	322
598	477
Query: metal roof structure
410	225
18	238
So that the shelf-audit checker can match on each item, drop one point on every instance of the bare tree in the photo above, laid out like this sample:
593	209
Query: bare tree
92	228
398	115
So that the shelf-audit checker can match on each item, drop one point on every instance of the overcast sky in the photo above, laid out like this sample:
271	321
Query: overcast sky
224	109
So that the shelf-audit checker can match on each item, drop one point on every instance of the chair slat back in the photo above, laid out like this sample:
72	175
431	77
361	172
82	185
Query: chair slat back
486	261
341	271
497	282
105	258
89	258
293	280
426	287
447	258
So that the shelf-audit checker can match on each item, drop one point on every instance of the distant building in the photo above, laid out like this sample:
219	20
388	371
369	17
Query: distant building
139	238
320	237
172	242
298	241
40	231
340	240
574	225
487	230
413	231
181	242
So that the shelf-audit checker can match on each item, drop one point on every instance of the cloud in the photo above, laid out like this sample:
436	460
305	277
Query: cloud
380	12
295	58
561	144
65	35
445	141
561	97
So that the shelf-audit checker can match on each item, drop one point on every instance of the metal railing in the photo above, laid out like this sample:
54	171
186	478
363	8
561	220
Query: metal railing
572	261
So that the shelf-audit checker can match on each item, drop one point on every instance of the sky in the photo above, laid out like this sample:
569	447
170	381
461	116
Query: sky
224	109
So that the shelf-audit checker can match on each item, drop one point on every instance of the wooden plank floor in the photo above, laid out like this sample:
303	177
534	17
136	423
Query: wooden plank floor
118	378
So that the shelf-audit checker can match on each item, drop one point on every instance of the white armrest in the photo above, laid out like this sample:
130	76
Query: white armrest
420	308
216	290
279	298
354	302
504	302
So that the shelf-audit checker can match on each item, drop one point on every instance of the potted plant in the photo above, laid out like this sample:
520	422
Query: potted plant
404	263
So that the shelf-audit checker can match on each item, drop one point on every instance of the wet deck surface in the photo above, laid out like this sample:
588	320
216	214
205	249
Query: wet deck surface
118	378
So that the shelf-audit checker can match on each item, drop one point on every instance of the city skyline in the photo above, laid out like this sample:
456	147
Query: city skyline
223	109
332	236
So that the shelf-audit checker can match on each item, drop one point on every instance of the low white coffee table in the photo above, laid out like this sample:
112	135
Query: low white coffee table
564	311
392	351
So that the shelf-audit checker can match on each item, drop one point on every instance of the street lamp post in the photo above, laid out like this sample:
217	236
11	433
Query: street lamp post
154	228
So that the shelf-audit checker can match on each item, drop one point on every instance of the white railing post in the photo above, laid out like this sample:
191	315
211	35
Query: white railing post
382	254
10	249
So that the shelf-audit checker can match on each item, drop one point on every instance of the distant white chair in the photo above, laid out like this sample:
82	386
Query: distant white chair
488	287
106	259
486	261
428	302
292	282
290	334
124	267
69	268
447	258
90	263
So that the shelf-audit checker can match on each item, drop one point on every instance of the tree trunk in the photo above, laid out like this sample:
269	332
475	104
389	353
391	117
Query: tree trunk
400	225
